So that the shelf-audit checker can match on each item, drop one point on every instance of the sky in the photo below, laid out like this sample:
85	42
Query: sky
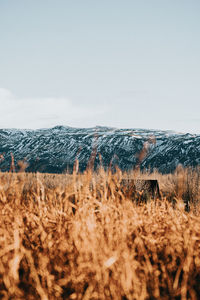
125	64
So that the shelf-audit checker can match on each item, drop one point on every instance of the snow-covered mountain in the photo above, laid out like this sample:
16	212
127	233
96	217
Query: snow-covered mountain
55	150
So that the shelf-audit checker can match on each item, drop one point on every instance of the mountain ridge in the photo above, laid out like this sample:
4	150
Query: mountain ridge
54	150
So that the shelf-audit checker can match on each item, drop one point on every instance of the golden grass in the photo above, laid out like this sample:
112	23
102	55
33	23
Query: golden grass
76	237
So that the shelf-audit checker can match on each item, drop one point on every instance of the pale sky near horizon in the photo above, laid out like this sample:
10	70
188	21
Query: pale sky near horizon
125	64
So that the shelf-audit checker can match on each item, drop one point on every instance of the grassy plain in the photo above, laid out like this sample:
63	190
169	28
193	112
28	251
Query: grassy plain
76	237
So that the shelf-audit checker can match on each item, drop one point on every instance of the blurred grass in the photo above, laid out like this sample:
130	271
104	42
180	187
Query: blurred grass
80	237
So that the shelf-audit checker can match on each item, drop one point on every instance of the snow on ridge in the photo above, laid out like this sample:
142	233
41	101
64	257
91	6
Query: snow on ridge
55	149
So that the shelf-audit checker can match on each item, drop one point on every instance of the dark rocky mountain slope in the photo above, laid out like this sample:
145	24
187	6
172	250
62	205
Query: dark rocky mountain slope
55	150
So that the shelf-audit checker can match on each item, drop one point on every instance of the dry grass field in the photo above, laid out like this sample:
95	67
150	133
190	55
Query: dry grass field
80	237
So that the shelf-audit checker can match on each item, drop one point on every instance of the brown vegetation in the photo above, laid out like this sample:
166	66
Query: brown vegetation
79	237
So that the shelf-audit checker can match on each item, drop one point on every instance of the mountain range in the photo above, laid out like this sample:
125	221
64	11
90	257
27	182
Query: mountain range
55	150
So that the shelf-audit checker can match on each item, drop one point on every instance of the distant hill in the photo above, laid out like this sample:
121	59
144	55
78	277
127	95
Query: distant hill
55	150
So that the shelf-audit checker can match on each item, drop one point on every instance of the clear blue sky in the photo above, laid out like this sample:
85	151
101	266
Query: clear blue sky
83	63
